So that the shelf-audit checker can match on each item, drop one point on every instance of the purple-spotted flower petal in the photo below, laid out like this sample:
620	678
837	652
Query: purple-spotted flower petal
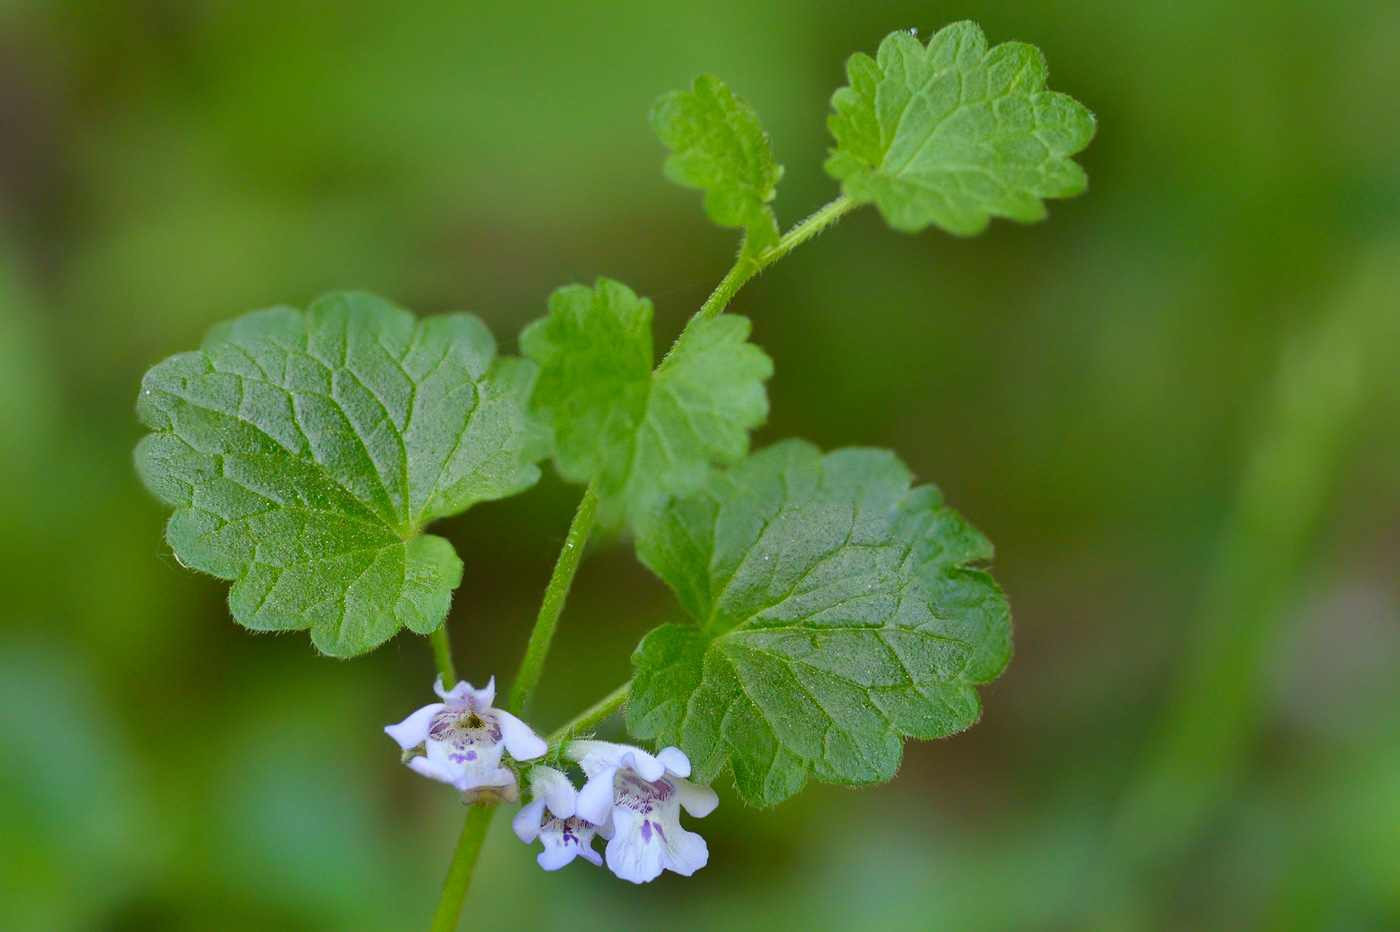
463	739
640	796
551	818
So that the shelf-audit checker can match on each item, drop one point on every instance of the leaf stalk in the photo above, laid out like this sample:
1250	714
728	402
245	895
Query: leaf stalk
747	266
585	720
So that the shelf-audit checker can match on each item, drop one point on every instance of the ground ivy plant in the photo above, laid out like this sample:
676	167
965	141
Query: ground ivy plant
829	607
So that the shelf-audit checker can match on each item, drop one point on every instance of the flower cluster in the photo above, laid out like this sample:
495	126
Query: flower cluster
631	798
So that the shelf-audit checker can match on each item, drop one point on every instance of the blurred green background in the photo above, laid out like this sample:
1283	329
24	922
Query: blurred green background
1175	407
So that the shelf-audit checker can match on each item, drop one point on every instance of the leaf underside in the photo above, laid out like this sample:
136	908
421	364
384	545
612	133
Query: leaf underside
952	133
304	452
834	614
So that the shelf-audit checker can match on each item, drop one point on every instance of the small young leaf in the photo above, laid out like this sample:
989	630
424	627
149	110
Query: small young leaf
953	133
305	452
834	614
641	436
720	147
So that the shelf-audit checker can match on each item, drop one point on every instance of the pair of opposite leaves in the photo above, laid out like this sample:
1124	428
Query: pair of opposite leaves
833	608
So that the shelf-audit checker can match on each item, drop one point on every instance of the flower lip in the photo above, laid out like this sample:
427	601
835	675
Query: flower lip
550	818
464	694
463	740
555	790
413	730
639	798
594	756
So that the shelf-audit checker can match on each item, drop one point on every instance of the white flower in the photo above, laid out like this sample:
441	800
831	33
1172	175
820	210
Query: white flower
643	795
551	818
464	738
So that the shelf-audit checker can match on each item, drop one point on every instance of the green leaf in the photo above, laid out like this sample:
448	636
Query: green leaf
305	452
953	134
720	147
834	613
641	436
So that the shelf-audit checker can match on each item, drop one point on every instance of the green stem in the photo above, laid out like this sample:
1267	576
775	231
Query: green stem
749	266
442	654
567	565
459	874
532	664
591	716
554	595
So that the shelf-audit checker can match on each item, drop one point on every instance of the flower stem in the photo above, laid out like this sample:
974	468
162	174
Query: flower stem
591	715
459	874
442	654
554	595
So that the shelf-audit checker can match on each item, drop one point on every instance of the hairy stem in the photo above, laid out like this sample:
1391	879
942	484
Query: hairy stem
566	566
554	595
748	266
591	716
459	874
442	654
